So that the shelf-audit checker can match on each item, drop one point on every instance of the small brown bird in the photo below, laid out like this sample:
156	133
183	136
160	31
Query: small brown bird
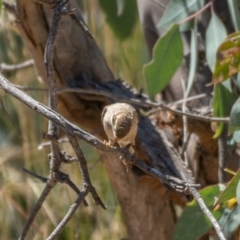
120	122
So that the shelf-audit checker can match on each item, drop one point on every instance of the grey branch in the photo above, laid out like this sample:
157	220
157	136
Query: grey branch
71	129
10	68
69	215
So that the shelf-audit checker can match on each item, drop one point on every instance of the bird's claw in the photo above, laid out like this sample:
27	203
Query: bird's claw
128	163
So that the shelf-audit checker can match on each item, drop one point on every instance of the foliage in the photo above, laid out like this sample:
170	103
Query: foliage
177	11
19	146
223	58
121	15
193	223
167	56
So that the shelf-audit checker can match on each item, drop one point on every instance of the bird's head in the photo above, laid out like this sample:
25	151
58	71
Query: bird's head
121	123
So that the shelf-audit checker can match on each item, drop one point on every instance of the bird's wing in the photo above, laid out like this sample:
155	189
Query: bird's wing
103	113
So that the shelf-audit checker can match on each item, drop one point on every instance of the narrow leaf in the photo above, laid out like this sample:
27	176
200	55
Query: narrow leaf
193	60
178	10
121	15
234	13
215	34
230	221
167	56
238	193
223	101
120	7
228	58
230	191
193	223
235	116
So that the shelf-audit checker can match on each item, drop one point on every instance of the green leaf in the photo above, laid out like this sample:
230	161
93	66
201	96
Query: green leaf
178	10
193	223
215	34
167	56
238	193
234	13
121	15
230	221
120	7
223	101
235	117
236	136
228	58
230	191
193	60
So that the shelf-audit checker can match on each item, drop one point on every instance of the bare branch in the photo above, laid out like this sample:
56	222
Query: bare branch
69	215
132	101
35	210
71	129
204	208
145	104
10	68
83	167
43	179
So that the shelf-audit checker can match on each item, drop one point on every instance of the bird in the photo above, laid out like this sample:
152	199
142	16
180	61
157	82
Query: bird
120	123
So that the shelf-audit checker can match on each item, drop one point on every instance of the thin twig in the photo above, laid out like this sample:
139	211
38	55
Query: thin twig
69	214
83	167
64	124
43	179
64	178
45	192
137	102
196	13
185	125
189	99
48	143
204	208
197	117
26	89
145	104
14	67
73	130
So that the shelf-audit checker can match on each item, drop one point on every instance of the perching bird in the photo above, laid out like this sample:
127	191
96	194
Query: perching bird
120	122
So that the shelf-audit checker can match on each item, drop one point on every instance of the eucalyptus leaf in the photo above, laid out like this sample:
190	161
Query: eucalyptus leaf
236	136
215	34
223	101
167	57
120	7
230	221
230	191
121	15
238	193
193	60
234	13
235	116
178	10
193	223
228	58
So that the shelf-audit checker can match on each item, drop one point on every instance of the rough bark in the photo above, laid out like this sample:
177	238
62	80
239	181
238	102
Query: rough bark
79	63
